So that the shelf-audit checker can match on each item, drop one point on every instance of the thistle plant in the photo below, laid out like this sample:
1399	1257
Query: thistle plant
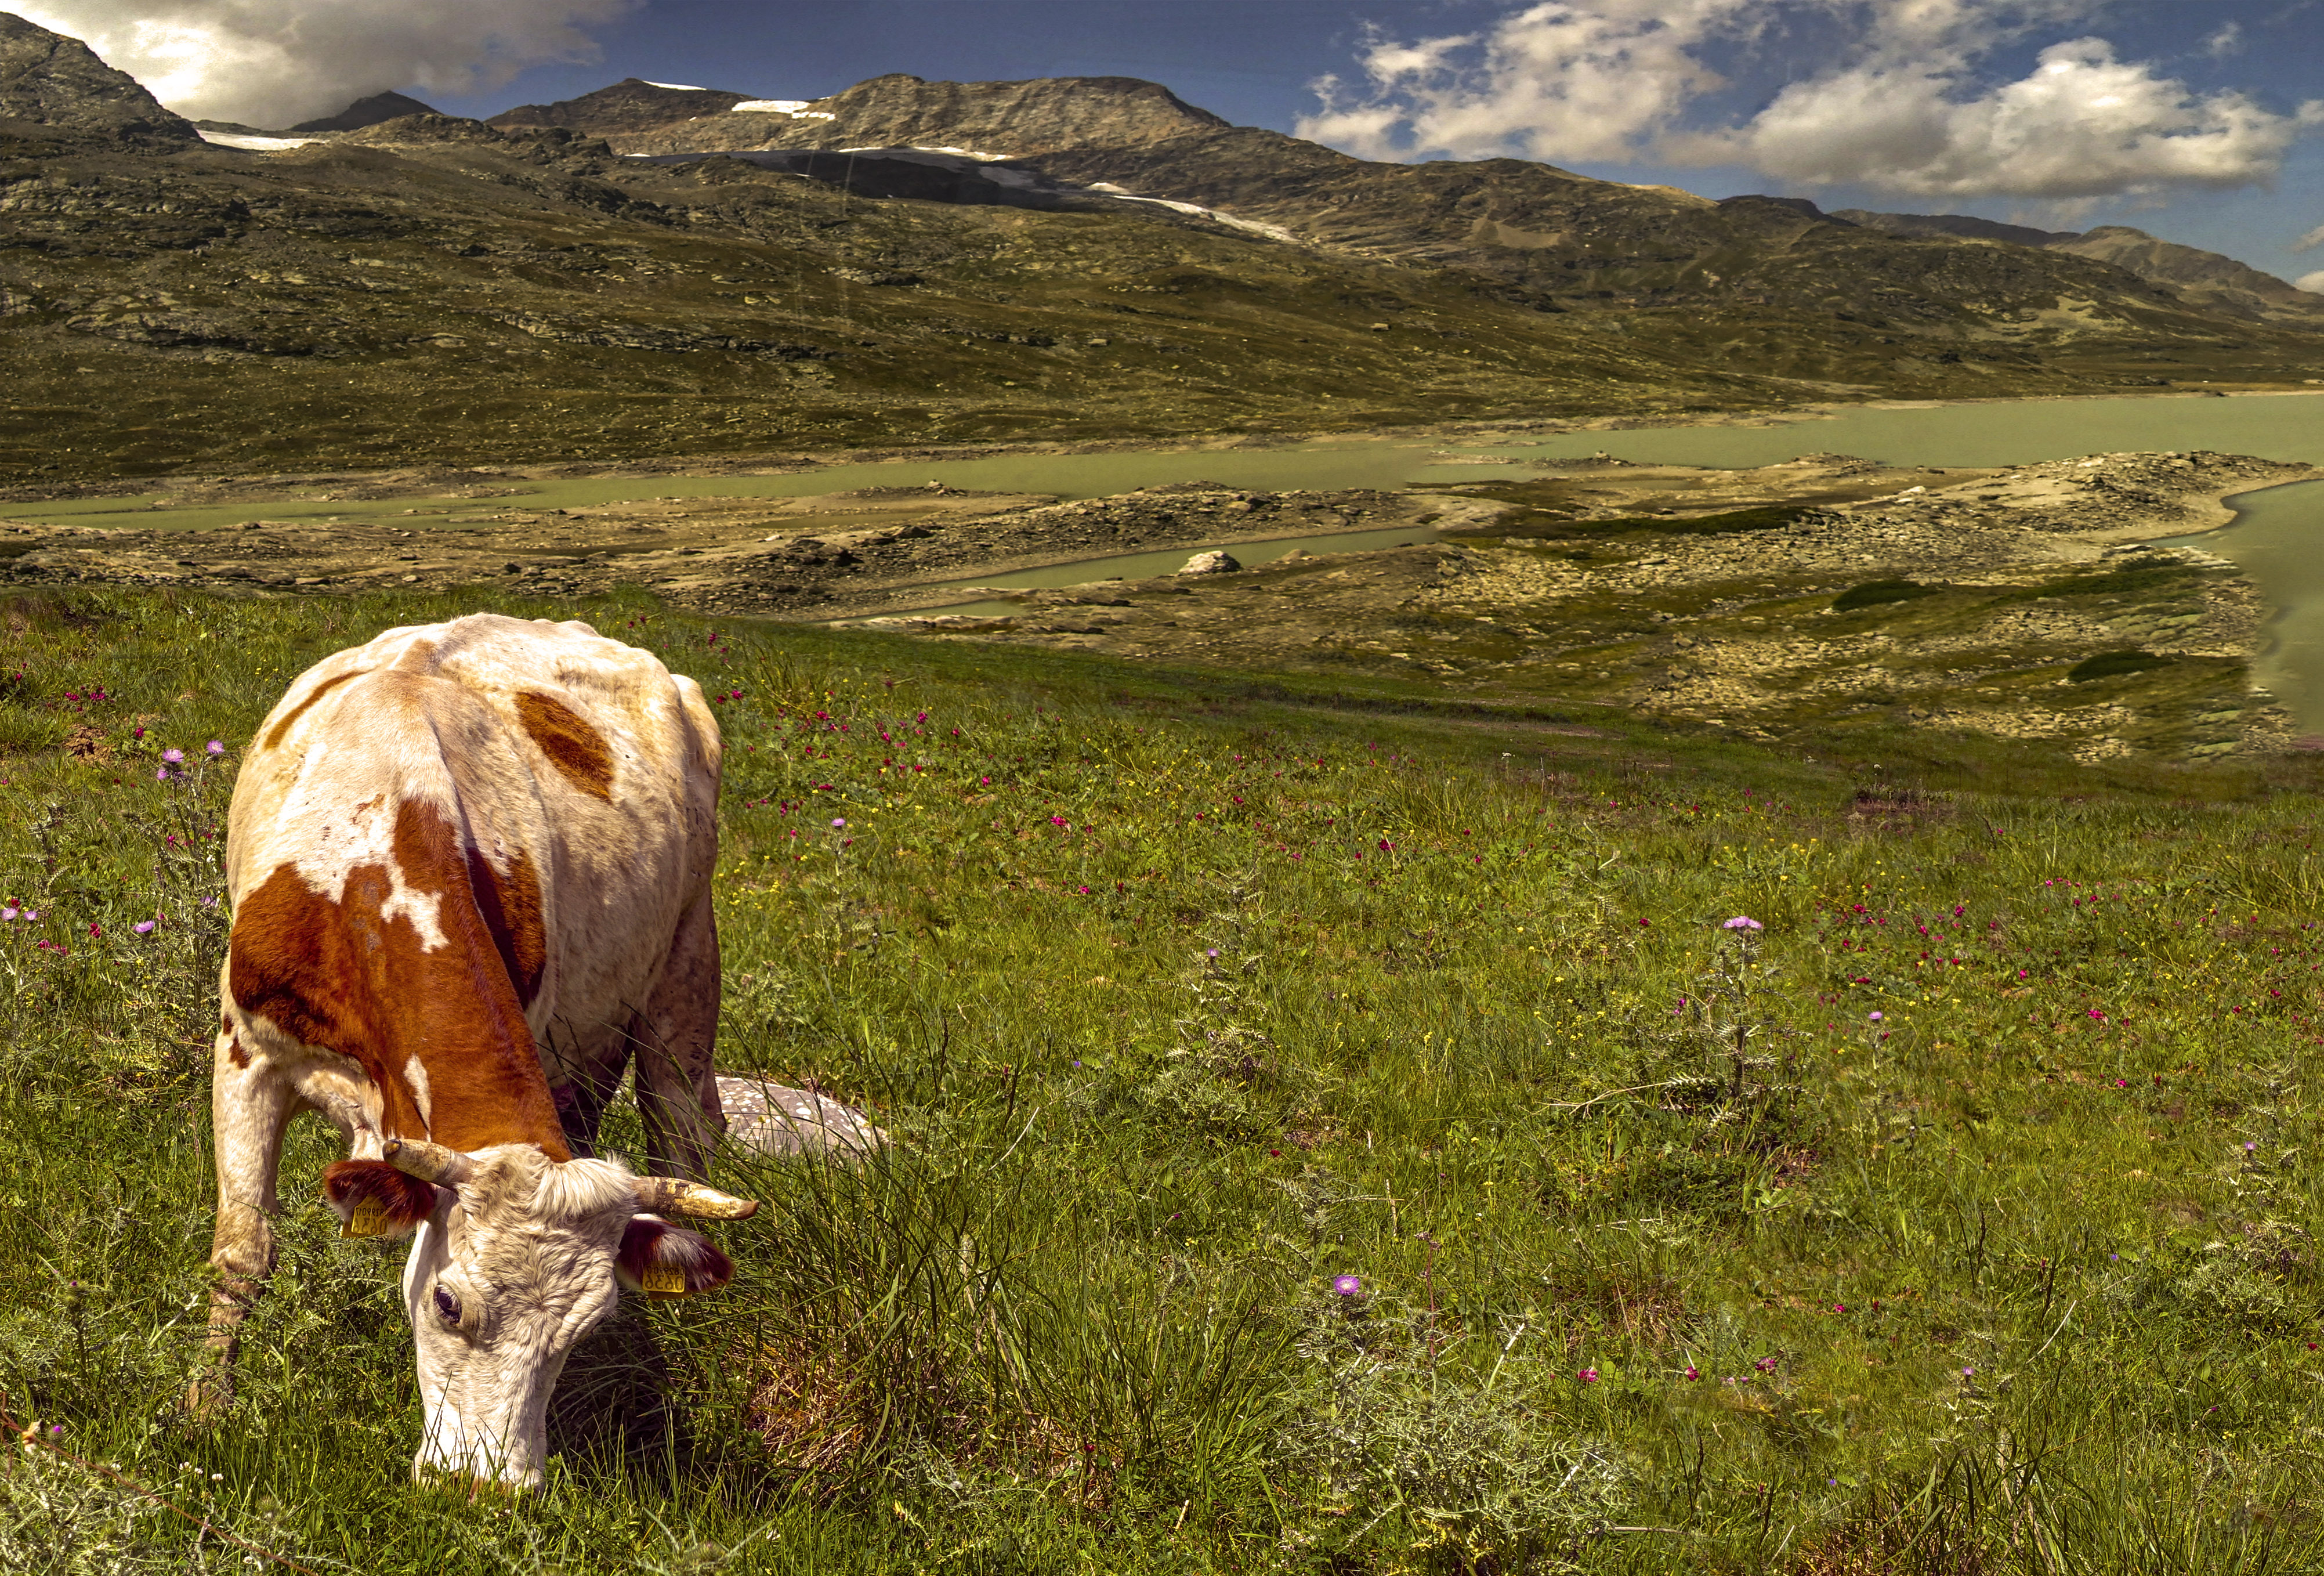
1726	1013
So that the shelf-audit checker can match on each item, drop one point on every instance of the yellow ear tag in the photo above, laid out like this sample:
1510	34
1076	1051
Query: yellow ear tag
369	1220
664	1280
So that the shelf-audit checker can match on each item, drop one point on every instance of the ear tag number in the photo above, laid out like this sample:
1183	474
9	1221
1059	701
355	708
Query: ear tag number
664	1280
369	1220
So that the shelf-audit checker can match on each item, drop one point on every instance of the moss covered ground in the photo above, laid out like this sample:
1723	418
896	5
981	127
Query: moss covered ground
1336	1130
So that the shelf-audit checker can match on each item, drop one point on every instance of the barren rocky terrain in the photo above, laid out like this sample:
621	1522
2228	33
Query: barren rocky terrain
2015	603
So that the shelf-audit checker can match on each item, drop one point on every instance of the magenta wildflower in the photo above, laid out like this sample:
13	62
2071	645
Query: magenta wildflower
173	756
1588	1376
1692	1372
839	821
1742	922
1876	1017
160	774
144	927
1347	1285
215	748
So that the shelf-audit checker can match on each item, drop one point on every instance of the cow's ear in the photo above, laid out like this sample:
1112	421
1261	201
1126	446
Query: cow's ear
663	1260
373	1199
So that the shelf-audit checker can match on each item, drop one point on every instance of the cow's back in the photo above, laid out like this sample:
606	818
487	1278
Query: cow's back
563	784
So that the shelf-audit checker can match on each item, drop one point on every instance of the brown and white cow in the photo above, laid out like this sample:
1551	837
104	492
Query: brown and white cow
470	864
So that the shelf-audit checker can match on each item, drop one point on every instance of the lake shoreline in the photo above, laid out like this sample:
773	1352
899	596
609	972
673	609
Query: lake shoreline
431	481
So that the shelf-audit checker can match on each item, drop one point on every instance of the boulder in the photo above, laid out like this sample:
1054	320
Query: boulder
1211	563
784	1122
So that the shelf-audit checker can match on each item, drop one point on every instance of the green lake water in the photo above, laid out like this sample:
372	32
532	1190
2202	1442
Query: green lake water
2278	540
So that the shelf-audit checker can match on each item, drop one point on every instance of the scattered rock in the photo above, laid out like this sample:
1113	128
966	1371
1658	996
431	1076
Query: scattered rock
1211	563
787	1123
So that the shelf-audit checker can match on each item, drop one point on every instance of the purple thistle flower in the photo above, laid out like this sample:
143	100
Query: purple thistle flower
1876	1017
1347	1285
173	756
839	821
160	774
214	747
1742	922
8	913
144	927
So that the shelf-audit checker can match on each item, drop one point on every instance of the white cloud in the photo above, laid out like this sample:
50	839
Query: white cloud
2310	241
1554	81
1902	109
2081	124
2311	282
2227	41
276	62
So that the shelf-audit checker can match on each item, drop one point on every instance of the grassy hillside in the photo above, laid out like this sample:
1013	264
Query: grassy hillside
434	291
1329	1138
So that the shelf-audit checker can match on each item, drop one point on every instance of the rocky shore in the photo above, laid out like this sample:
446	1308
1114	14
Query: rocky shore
2016	603
2013	602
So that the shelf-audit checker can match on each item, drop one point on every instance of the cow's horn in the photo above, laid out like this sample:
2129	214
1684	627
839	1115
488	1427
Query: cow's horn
428	1161
666	1195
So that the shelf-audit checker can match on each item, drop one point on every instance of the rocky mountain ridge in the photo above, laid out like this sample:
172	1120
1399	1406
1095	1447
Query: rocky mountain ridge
1551	232
630	104
2209	279
55	93
1006	119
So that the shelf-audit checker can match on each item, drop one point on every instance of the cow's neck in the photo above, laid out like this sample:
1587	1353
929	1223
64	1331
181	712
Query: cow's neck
403	973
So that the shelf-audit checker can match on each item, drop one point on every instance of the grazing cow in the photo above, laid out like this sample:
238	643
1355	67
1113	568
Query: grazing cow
470	865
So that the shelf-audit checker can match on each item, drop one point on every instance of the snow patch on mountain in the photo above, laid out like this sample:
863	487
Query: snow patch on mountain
254	144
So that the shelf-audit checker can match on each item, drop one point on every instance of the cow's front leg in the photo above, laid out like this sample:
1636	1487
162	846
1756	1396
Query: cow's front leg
251	1102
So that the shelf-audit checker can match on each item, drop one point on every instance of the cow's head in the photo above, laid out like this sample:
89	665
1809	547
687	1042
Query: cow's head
517	1256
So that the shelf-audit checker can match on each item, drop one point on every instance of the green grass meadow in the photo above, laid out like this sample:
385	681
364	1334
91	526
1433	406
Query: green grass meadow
1328	1138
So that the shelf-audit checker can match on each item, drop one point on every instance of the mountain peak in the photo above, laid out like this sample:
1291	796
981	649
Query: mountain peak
363	112
57	83
630	104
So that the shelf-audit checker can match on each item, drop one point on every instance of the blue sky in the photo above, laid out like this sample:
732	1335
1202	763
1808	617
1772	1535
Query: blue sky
2184	117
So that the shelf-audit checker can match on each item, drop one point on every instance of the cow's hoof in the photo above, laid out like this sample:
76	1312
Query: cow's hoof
776	1120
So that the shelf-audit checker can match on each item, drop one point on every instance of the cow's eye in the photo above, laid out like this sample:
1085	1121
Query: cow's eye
447	1305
